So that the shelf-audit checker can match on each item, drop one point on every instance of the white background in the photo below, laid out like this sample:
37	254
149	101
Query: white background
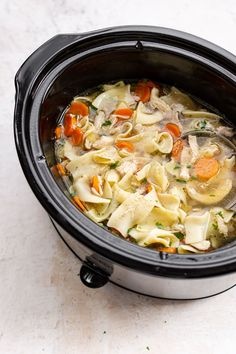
43	306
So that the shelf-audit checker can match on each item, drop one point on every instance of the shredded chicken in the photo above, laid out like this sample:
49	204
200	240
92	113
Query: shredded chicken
157	102
126	167
194	147
185	160
104	141
99	119
226	131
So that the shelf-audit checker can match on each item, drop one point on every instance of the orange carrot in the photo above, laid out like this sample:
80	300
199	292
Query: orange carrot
206	167
96	183
148	188
78	108
151	84
58	132
61	169
54	170
79	203
126	112
143	91
125	145
167	249
77	136
177	149
173	129
69	124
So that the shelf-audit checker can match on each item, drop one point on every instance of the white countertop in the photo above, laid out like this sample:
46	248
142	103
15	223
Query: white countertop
44	308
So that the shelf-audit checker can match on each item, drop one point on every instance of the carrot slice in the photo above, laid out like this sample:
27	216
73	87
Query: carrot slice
148	188
143	91
173	129
126	112
150	84
79	203
61	169
206	167
177	149
167	249
69	124
58	132
54	170
125	145
78	108
95	183
77	136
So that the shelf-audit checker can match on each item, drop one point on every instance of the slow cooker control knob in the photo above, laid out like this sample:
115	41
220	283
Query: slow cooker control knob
92	277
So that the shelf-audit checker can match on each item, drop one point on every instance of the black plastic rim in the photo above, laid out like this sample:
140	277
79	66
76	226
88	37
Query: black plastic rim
32	82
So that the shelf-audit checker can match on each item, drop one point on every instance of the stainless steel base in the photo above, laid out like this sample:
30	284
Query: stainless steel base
151	285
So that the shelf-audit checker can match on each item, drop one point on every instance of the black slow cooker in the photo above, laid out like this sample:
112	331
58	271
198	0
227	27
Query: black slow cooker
47	82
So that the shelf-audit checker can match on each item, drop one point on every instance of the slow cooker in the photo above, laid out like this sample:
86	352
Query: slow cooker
71	63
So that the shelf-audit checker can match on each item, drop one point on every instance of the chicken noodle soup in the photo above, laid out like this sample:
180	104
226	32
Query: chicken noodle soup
150	164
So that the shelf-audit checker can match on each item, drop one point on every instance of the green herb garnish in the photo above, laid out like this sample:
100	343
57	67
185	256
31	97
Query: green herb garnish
193	178
221	214
159	225
106	123
177	166
93	107
179	235
128	231
189	166
180	180
144	180
114	165
203	124
215	226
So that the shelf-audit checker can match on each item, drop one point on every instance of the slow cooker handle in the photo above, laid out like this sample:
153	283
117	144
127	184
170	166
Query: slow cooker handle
93	277
37	61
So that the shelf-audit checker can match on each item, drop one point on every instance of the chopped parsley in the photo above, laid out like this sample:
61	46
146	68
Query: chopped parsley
179	235
177	166
159	225
189	166
215	226
114	165
193	178
128	231
202	124
220	214
93	107
106	123
144	180
180	180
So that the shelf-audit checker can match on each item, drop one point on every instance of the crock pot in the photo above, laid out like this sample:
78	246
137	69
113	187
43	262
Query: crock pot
69	64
